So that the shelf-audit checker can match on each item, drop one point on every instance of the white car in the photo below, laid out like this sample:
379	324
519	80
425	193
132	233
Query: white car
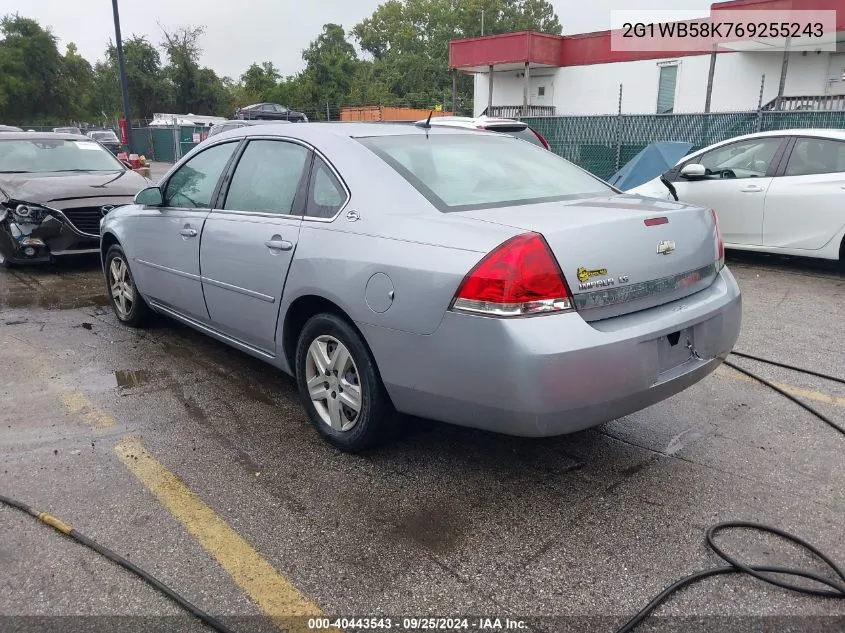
513	127
779	192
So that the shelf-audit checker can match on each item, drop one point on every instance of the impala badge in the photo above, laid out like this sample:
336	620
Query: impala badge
665	247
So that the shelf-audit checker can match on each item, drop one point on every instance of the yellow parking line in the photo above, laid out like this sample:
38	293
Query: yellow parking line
275	596
798	392
77	402
73	400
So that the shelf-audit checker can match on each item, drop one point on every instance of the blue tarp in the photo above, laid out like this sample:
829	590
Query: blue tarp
654	160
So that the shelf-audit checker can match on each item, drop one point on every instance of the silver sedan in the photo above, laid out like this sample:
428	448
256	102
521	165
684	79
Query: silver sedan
471	278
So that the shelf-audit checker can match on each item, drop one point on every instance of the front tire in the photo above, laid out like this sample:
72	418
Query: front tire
128	305
340	387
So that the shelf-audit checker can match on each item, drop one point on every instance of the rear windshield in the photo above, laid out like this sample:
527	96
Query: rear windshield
461	172
525	134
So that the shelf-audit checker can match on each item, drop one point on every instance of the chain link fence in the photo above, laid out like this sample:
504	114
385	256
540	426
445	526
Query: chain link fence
603	144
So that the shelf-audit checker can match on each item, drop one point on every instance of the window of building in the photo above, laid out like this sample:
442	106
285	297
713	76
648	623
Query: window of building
666	89
541	91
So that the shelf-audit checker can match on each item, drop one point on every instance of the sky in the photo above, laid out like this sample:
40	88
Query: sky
239	33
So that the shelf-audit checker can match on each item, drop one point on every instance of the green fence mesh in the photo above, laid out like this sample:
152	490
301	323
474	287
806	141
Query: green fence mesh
603	144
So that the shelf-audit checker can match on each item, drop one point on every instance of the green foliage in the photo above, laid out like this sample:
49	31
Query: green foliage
405	46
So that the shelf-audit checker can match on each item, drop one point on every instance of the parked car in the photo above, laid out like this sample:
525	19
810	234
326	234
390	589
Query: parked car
67	130
54	188
271	112
10	128
225	126
470	278
513	127
108	139
776	192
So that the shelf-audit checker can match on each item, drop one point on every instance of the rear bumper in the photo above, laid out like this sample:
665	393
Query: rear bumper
553	375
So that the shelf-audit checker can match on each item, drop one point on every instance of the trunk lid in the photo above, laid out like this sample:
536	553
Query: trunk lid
622	253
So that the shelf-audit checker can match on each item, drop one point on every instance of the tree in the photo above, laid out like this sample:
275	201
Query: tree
195	90
259	80
149	90
330	66
30	71
75	82
409	39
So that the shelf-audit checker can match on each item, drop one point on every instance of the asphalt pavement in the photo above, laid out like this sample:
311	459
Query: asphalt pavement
196	462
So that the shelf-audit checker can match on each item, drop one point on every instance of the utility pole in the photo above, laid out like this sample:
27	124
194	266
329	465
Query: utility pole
482	22
122	69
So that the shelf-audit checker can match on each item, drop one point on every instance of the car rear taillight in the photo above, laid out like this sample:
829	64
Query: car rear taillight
720	245
542	139
519	278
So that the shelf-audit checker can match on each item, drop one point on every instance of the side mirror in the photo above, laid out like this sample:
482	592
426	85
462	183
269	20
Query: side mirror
693	170
149	197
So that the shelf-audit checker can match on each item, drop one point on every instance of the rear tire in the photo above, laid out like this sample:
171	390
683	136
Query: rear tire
128	305
340	387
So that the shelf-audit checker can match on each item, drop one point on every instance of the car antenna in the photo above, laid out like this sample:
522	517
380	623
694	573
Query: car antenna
427	124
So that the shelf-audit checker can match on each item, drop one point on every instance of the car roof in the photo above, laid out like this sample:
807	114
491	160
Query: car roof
349	129
832	133
44	136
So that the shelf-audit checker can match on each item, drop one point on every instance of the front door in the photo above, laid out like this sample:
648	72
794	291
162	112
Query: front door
166	257
738	178
248	244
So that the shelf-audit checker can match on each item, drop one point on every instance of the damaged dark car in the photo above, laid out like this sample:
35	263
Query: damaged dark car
54	190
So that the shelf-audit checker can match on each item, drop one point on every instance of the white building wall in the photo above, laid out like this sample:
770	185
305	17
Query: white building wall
594	89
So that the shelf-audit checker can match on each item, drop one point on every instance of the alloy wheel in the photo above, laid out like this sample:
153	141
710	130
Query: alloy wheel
333	383
120	283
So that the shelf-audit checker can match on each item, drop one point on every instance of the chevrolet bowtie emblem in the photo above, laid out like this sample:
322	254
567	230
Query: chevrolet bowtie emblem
665	247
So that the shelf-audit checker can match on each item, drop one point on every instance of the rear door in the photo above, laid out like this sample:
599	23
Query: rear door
166	239
249	241
805	206
738	177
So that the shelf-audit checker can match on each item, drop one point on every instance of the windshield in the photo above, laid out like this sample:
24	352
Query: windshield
43	155
104	136
472	171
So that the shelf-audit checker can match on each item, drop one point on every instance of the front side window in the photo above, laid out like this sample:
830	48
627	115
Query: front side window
816	156
267	177
193	185
40	155
326	195
459	172
745	159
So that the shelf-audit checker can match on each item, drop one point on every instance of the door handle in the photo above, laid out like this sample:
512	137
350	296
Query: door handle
188	232
751	189
278	244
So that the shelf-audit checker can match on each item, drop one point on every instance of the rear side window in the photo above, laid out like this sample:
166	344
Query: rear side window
816	156
459	172
326	195
267	177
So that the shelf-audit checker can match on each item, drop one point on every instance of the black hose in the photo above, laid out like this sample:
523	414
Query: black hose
821	416
800	370
64	528
760	572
